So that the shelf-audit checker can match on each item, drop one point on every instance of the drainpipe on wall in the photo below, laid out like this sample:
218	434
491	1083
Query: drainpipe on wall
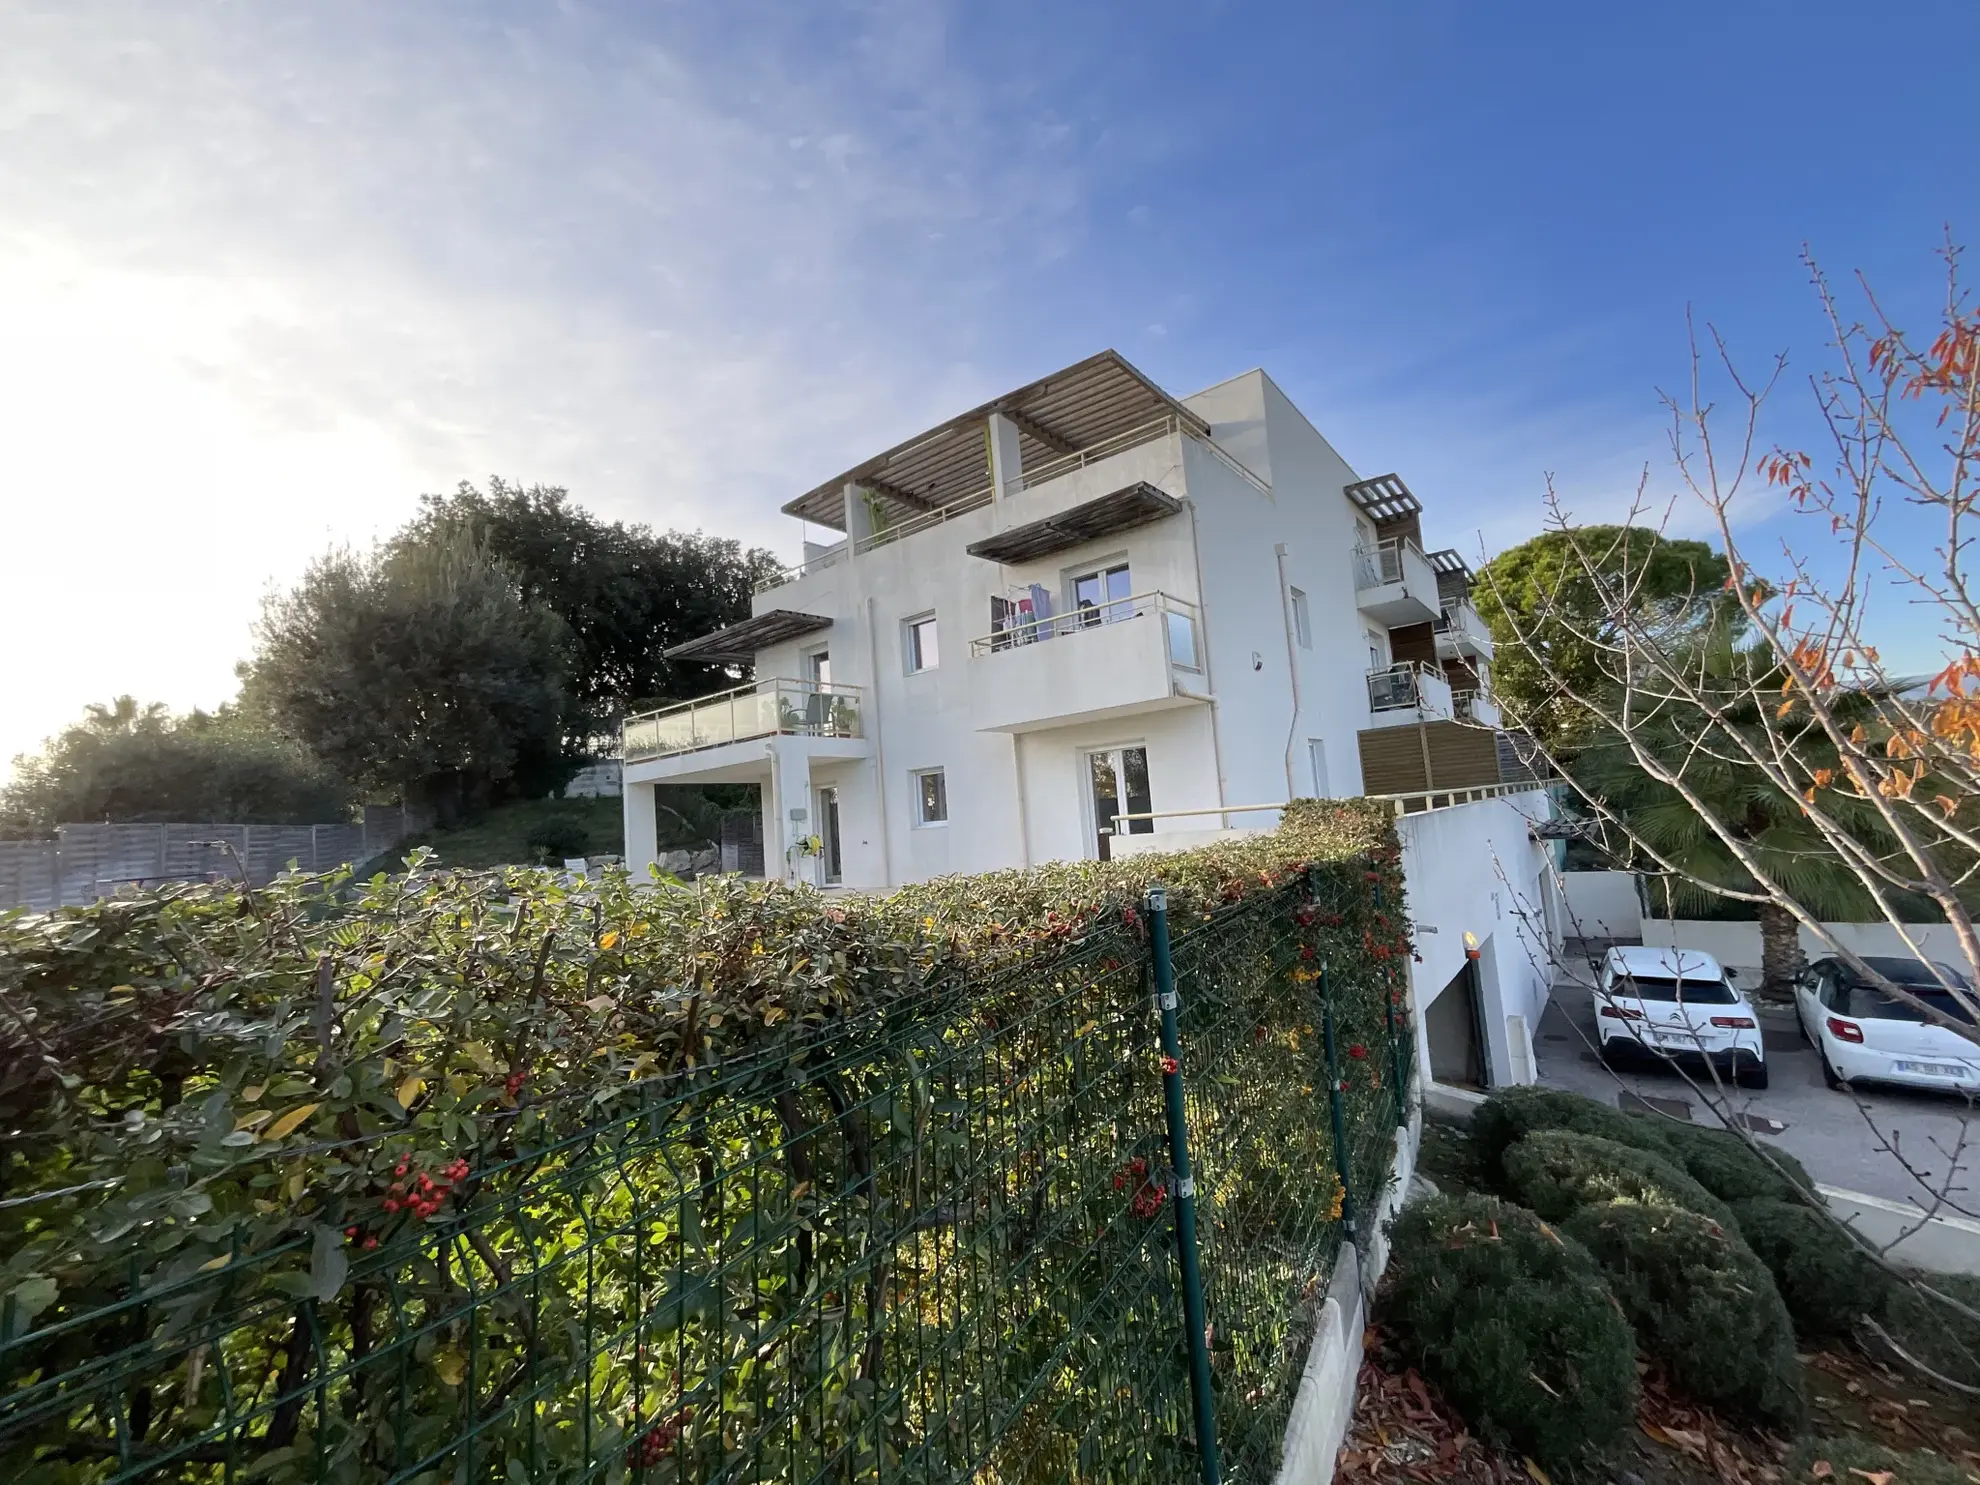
1292	666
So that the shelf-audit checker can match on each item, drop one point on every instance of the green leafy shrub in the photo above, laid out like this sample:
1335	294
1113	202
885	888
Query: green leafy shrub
1557	1172
1513	1113
1943	1339
1825	1279
1851	1457
558	838
1513	1322
1716	1159
1701	1303
310	1160
1725	1165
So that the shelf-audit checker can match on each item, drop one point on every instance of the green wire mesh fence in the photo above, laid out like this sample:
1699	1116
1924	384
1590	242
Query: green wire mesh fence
935	1247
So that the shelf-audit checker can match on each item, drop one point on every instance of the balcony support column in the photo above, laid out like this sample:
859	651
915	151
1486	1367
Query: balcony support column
790	789
859	516
1006	460
642	829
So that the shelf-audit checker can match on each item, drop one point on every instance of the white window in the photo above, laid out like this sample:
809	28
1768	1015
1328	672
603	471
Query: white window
1378	650
931	797
1316	753
919	643
818	667
1302	620
1099	597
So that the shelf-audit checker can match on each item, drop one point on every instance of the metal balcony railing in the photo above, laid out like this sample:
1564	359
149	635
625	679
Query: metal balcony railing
763	709
830	557
1181	630
1457	613
1396	687
1383	563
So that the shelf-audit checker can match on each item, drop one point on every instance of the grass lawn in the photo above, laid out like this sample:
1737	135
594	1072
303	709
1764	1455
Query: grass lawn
501	836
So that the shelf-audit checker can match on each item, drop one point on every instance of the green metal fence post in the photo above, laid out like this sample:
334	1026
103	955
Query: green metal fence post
1186	1255
1398	1072
1343	1163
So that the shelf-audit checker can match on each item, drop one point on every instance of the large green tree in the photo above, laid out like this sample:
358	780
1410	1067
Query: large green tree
1551	602
421	669
1701	744
132	762
625	593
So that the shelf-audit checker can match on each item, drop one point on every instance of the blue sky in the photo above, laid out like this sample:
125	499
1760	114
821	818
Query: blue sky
267	272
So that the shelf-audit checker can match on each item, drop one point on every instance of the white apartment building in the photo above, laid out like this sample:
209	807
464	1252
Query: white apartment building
1082	618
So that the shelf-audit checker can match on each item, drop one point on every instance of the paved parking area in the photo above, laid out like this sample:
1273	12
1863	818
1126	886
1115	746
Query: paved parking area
1822	1127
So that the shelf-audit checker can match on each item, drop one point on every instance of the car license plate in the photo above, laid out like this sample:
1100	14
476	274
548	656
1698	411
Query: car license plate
1936	1069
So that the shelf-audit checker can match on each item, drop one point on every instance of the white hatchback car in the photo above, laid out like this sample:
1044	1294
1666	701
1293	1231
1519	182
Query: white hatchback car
1863	1035
1677	1005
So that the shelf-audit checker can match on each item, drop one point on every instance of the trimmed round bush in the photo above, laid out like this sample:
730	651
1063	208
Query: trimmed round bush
1942	1339
558	838
1511	1114
1725	1165
1557	1172
1826	1280
1852	1452
1701	1303
1513	1322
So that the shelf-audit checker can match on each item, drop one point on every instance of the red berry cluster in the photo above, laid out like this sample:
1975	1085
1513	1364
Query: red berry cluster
513	1083
1358	1052
426	1193
1148	1197
359	1236
1170	1065
651	1447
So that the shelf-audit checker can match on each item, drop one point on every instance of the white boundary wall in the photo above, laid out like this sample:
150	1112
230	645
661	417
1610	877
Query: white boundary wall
1324	1405
1602	904
1738	944
1476	868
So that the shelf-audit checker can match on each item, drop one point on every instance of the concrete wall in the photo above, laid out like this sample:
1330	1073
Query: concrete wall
1738	944
1245	602
1324	1405
1475	868
1602	904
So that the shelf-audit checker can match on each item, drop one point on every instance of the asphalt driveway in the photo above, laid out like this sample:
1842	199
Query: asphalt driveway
1827	1130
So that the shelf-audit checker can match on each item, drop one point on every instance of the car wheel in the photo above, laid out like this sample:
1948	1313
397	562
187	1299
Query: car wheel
1749	1073
1828	1069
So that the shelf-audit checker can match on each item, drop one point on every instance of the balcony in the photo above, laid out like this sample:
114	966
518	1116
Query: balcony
1395	583
768	708
1461	633
1407	693
1475	708
1138	654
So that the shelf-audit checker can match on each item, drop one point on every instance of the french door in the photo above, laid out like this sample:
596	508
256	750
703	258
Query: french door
1118	785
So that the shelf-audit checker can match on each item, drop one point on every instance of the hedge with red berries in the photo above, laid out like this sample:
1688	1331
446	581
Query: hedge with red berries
255	1141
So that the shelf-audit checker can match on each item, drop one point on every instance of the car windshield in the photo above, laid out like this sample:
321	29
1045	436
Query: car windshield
1669	987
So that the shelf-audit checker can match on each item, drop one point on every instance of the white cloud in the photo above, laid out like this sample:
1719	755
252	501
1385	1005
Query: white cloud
268	274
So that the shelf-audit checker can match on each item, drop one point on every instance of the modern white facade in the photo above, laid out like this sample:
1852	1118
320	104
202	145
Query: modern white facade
1083	600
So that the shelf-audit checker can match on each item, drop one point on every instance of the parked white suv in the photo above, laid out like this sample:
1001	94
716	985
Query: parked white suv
1865	1036
1677	1005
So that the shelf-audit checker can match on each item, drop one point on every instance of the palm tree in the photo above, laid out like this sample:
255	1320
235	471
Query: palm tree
1768	822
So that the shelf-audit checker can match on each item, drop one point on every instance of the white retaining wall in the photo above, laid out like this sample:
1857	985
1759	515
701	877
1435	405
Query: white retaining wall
1476	868
1738	944
1602	904
1324	1405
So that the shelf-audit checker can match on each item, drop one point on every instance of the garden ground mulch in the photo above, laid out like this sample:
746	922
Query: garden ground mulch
1403	1433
